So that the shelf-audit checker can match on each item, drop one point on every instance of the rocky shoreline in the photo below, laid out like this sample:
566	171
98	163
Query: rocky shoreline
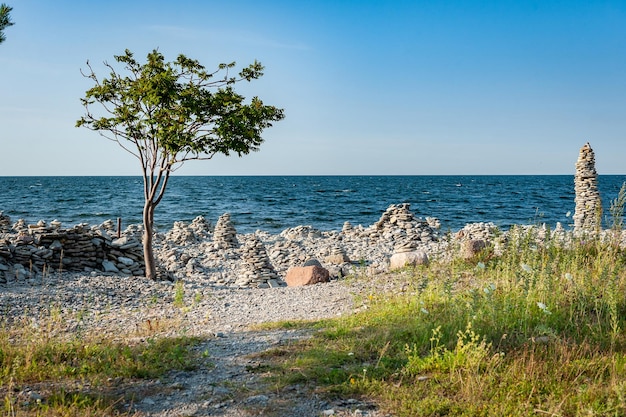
219	255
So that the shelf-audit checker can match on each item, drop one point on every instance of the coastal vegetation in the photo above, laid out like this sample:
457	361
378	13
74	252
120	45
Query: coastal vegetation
167	113
538	330
43	373
5	20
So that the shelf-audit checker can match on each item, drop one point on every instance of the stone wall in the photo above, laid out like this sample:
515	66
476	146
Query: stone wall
27	251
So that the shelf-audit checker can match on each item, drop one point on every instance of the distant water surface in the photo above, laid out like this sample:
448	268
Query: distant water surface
274	203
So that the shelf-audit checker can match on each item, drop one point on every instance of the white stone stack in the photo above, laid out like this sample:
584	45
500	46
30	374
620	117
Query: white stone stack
337	255
257	269
181	234
398	224
225	235
405	246
588	213
201	227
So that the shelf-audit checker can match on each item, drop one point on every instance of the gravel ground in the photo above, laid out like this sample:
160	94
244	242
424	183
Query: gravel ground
132	308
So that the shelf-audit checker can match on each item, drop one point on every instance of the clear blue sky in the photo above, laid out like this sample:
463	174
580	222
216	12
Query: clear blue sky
368	87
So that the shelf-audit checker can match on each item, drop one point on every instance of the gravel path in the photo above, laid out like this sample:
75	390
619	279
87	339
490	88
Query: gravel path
132	308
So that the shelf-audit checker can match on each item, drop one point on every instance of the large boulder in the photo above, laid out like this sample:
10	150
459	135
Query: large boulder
403	259
306	275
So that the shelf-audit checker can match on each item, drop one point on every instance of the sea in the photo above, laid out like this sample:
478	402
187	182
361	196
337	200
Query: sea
275	203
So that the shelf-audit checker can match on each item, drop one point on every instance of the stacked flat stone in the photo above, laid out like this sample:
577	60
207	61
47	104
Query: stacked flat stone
201	227
337	256
588	213
39	248
225	235
5	223
109	226
347	227
286	253
398	223
405	246
257	269
125	255
181	234
301	233
20	226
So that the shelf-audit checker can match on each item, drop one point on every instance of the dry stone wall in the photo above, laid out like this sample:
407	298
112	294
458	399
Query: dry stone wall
27	251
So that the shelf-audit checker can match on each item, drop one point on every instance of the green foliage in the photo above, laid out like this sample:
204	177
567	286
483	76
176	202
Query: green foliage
5	20
170	113
535	331
167	113
30	356
617	210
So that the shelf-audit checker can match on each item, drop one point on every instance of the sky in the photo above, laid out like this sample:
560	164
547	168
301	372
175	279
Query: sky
368	87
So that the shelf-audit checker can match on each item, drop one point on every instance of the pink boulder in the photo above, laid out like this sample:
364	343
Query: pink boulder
306	275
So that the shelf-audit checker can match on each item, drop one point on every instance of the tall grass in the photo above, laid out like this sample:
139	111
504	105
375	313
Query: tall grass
538	330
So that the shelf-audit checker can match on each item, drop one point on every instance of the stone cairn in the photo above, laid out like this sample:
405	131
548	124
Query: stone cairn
257	268
588	213
398	225
5	223
225	235
27	251
404	246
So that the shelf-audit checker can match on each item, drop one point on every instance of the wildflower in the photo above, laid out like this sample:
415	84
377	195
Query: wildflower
568	276
527	268
543	307
480	265
423	310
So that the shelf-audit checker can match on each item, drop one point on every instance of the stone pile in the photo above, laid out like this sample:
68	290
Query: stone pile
201	227
5	223
337	256
40	248
588	213
225	235
257	268
398	223
181	234
473	238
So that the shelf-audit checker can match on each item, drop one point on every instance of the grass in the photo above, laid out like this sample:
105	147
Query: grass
79	375
538	330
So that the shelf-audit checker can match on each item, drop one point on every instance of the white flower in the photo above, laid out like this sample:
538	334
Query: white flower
527	268
568	276
543	307
423	310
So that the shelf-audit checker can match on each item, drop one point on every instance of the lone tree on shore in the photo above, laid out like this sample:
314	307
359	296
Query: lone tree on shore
5	20
166	113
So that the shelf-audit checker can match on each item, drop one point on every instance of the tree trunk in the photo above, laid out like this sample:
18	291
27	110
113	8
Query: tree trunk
148	251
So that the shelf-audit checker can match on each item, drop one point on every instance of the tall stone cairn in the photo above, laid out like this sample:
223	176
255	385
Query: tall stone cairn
257	269
588	214
225	235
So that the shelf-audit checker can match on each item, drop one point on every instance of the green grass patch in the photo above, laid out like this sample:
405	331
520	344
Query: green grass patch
537	330
61	368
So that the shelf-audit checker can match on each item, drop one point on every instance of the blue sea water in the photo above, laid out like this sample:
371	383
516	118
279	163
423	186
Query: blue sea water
274	203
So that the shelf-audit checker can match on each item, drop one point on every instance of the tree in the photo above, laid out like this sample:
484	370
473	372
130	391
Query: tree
5	20
168	113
